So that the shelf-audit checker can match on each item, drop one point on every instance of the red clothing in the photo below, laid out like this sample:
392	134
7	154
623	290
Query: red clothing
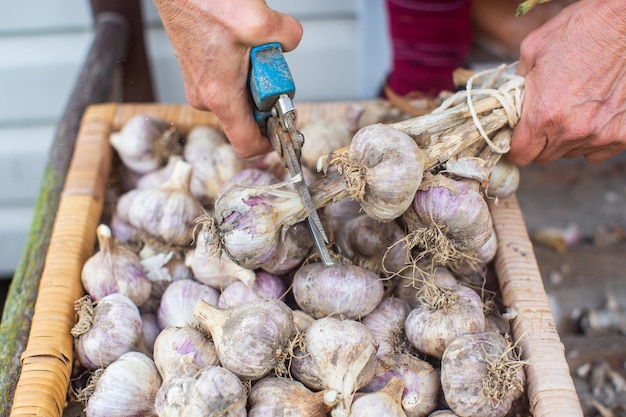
430	39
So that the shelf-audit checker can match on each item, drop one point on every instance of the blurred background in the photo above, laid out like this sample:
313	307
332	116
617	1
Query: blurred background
344	55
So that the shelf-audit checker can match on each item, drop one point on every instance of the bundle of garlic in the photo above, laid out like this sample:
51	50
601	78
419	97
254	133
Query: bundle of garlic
222	294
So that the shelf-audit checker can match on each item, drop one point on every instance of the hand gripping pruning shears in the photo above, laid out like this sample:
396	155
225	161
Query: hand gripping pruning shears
273	89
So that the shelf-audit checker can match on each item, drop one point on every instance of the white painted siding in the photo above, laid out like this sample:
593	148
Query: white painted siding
43	43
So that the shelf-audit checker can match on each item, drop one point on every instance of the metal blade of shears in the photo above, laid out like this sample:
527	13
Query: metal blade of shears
289	153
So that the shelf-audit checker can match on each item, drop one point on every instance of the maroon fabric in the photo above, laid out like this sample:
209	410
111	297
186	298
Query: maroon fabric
430	39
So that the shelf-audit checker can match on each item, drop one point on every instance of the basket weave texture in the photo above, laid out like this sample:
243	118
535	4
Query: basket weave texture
48	357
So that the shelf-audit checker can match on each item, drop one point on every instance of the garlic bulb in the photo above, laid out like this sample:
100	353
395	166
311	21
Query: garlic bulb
384	402
183	351
202	139
371	244
211	265
504	179
145	142
212	392
382	170
180	299
156	178
481	375
322	136
454	217
386	322
162	268
114	269
249	177
250	221
443	413
126	388
291	250
166	213
273	397
211	170
149	330
106	331
443	314
266	286
338	355
251	339
346	291
421	381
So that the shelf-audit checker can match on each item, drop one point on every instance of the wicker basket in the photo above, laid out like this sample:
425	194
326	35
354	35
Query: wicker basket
48	357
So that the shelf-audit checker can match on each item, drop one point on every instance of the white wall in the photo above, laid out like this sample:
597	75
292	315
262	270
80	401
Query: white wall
343	56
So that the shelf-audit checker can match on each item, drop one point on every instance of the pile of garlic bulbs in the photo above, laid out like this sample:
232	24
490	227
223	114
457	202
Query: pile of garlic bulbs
205	296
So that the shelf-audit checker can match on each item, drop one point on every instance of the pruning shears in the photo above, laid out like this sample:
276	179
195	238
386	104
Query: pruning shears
273	89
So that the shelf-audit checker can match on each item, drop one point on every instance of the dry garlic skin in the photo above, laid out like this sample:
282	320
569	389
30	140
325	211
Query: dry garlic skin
481	375
456	209
392	167
430	326
346	291
127	387
212	392
275	396
116	328
251	339
114	269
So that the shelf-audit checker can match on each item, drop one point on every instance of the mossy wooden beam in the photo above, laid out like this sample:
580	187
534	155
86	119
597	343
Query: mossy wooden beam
95	84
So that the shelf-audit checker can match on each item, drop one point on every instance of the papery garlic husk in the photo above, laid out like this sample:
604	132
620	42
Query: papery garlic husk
266	286
302	320
275	396
166	213
384	402
443	314
386	322
251	339
211	170
346	291
482	375
337	355
163	268
504	179
382	170
114	269
323	135
211	265
291	250
371	244
250	221
145	142
104	333
212	392
127	387
453	220
179	301
183	351
422	385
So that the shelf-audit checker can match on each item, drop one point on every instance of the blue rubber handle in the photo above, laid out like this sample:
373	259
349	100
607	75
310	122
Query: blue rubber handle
269	79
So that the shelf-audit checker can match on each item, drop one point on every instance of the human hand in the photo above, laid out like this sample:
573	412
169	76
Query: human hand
212	41
575	86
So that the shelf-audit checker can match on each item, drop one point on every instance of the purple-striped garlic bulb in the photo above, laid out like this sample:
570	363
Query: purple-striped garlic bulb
337	355
114	269
341	290
251	339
